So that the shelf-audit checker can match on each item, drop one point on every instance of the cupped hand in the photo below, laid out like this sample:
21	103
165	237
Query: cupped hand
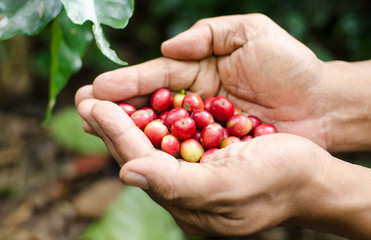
247	187
244	188
248	58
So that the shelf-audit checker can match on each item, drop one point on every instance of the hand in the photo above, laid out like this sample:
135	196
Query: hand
248	58
265	72
245	188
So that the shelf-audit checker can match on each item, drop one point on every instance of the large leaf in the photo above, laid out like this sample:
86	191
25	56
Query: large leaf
133	215
26	16
69	43
66	129
114	13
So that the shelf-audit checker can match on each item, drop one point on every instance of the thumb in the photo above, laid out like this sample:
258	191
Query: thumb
211	36
170	179
148	171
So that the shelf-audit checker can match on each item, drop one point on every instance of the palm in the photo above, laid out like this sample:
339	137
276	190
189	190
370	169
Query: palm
259	66
281	88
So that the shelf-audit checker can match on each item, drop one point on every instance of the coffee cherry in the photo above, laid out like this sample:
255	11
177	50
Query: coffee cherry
191	150
177	99
221	108
170	144
255	121
239	125
175	114
191	102
187	125
265	129
207	155
207	103
141	118
128	108
202	118
229	140
161	100
183	128
212	135
156	131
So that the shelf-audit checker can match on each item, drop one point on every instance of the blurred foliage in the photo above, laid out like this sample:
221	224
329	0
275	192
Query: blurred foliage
333	29
69	37
66	128
27	17
133	215
69	42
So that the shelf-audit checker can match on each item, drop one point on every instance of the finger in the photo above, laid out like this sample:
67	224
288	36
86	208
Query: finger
183	184
88	129
85	92
145	78
213	36
128	140
85	110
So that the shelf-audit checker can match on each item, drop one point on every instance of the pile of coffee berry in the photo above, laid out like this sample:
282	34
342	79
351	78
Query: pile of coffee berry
184	125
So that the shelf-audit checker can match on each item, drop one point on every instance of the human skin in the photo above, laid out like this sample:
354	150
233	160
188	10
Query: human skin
270	180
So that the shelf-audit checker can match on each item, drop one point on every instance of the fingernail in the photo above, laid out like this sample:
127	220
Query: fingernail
135	179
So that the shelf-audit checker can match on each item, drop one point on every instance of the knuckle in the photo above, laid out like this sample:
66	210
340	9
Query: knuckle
259	16
100	83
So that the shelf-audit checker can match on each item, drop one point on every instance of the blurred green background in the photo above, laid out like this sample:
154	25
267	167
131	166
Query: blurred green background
333	29
32	157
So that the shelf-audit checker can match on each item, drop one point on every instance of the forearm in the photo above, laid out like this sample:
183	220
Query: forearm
348	121
338	200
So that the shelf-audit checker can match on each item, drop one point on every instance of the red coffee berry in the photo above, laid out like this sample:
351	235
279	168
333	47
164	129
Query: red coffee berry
229	140
207	102
202	118
255	121
221	108
238	125
207	155
141	118
212	135
161	100
265	129
191	102
128	108
175	114
170	144
156	131
183	128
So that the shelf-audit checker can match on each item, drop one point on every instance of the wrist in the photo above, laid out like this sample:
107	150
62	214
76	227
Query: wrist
337	200
347	122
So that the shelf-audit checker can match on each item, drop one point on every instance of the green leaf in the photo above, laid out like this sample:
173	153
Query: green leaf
69	43
104	45
27	17
65	127
114	13
133	215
